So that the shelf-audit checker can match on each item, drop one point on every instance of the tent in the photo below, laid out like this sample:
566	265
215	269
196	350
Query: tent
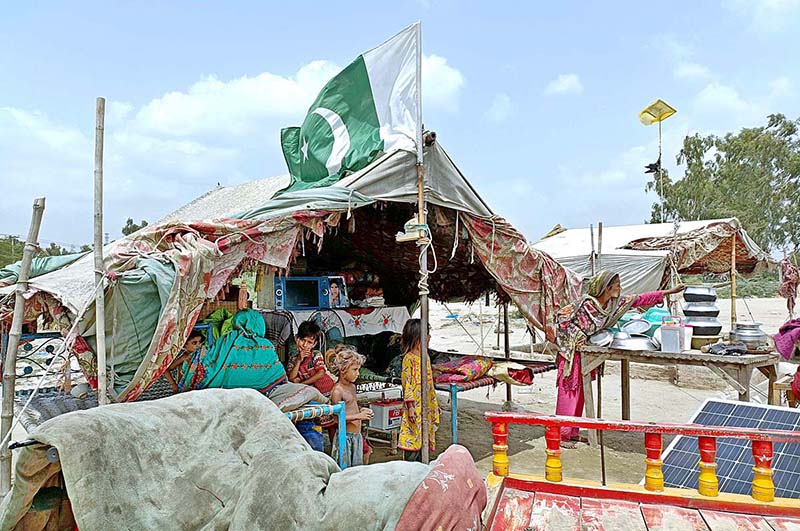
160	276
645	254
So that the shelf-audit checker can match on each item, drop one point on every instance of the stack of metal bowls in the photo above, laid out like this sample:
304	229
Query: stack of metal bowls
701	311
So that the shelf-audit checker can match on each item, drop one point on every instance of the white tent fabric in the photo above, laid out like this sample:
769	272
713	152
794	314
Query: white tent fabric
639	270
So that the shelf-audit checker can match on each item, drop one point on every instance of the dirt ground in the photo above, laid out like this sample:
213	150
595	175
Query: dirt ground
658	394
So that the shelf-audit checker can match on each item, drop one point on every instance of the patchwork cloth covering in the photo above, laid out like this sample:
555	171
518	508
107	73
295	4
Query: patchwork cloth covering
463	369
210	459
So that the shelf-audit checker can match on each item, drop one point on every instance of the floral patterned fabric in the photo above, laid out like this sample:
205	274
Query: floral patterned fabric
452	482
464	369
537	284
242	359
410	438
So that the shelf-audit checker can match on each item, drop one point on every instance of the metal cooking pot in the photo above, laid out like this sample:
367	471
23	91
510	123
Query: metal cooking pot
625	341
700	294
701	309
750	334
704	326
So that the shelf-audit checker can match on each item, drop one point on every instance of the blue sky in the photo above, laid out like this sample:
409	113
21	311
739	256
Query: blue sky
537	102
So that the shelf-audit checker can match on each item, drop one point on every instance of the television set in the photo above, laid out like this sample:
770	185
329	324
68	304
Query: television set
302	293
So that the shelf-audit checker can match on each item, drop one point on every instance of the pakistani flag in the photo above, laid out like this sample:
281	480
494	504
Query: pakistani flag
368	108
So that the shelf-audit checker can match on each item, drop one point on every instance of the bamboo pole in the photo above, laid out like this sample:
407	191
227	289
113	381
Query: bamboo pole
733	281
599	245
507	348
99	267
10	364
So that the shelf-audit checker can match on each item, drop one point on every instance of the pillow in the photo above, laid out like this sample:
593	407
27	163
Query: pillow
291	396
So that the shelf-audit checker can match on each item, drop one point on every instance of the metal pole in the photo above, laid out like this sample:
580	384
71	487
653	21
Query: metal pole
661	173
733	281
99	267
423	260
10	365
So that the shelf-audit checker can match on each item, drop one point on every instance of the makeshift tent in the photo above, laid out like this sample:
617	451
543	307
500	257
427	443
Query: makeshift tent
473	250
644	254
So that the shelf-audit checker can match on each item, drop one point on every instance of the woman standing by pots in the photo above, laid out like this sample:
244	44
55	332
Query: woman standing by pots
600	308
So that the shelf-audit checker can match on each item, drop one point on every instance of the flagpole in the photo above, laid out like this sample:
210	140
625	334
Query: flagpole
423	259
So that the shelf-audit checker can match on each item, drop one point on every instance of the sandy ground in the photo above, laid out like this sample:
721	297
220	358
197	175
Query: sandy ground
657	395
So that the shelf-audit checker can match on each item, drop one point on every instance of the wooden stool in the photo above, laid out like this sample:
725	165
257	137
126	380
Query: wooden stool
783	385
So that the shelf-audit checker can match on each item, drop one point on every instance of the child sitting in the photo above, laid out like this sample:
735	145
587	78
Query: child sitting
345	363
181	362
308	367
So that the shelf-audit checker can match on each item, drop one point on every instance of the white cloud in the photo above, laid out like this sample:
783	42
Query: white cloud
565	84
767	16
441	84
163	153
781	87
689	70
716	97
235	107
500	109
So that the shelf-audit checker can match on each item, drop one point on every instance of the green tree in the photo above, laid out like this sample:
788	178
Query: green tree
753	175
131	227
10	250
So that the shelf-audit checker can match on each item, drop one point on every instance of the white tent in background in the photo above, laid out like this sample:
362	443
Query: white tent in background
641	253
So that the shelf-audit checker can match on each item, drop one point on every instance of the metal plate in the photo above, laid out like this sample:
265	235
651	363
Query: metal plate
636	326
603	338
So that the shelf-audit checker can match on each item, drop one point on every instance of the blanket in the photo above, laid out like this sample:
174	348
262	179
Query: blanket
787	338
210	459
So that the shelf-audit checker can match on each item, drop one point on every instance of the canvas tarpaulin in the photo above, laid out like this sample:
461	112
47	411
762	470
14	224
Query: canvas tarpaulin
637	252
40	265
212	459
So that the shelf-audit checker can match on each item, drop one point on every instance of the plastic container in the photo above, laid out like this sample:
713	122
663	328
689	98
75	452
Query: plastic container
388	414
687	336
671	334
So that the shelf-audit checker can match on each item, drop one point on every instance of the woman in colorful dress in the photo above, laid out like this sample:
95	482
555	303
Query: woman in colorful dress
600	308
242	358
410	440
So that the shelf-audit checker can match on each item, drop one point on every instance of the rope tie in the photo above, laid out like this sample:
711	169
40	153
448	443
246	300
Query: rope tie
349	204
455	240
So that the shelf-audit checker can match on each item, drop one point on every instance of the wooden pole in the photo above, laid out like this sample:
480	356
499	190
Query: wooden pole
733	281
99	267
507	348
423	260
591	252
599	245
10	364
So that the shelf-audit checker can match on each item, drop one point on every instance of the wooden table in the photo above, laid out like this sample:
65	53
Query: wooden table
735	370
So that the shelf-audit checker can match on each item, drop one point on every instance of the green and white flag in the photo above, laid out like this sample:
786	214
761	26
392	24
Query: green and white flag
368	108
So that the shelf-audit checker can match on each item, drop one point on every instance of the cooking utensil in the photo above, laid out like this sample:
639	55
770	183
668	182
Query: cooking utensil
701	309
632	342
700	294
603	338
704	326
750	334
656	339
636	326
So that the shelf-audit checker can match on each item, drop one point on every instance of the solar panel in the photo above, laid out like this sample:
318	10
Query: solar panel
734	456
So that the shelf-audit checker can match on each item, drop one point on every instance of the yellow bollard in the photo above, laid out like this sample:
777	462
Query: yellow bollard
763	487
707	483
653	476
500	447
552	465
